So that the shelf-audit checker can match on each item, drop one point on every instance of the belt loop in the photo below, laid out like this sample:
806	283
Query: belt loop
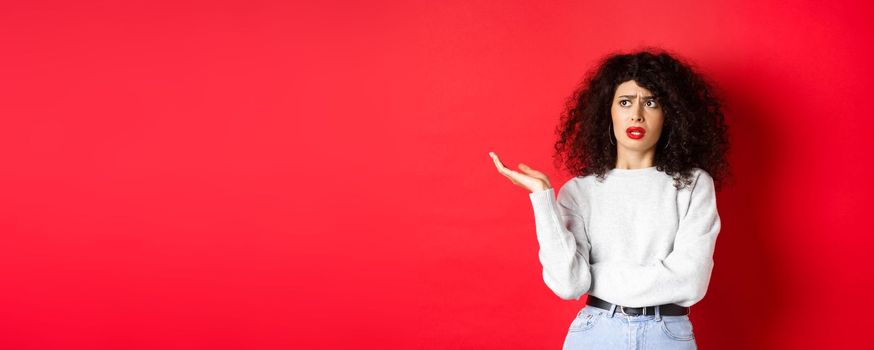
658	313
612	310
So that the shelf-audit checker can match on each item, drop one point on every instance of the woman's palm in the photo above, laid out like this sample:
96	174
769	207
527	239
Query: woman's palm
530	179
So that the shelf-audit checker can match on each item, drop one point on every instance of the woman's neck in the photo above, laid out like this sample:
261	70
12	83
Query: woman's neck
634	160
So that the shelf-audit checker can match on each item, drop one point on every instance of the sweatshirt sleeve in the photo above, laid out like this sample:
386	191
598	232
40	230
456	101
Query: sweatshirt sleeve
683	276
564	245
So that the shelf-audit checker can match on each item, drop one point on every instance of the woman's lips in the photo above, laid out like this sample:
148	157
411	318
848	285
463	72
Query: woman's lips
635	132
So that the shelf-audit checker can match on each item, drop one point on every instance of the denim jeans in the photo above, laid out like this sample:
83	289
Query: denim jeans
596	328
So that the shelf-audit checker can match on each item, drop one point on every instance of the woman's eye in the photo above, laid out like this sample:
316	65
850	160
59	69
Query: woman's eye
652	103
622	101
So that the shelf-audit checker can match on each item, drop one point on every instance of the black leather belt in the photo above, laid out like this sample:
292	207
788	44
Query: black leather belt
664	309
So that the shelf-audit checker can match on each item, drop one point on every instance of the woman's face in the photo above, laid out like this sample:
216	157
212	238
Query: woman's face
637	119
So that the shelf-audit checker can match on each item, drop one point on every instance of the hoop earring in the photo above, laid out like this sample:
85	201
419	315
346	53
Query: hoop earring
610	133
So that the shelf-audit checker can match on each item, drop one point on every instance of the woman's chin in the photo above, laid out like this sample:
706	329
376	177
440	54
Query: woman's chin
638	145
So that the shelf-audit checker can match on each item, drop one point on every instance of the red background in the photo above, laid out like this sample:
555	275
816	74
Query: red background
265	174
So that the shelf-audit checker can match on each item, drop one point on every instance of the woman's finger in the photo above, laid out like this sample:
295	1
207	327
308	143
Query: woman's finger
515	177
498	164
528	170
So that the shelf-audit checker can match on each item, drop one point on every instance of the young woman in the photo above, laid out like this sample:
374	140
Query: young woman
636	228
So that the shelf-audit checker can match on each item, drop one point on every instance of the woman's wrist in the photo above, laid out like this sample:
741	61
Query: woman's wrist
541	188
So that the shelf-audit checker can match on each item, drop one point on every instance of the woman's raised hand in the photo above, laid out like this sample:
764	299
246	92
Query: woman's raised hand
532	180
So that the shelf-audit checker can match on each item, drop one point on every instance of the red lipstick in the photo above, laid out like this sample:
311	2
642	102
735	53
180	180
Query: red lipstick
635	132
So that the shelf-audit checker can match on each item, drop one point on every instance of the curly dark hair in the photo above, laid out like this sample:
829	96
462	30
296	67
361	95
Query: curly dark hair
694	122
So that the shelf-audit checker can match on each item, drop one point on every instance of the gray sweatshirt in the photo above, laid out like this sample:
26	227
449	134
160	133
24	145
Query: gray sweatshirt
633	240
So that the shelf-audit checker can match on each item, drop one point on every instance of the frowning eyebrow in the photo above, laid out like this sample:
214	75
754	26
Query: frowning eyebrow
633	96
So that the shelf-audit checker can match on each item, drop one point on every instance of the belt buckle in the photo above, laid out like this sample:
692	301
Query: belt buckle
622	308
